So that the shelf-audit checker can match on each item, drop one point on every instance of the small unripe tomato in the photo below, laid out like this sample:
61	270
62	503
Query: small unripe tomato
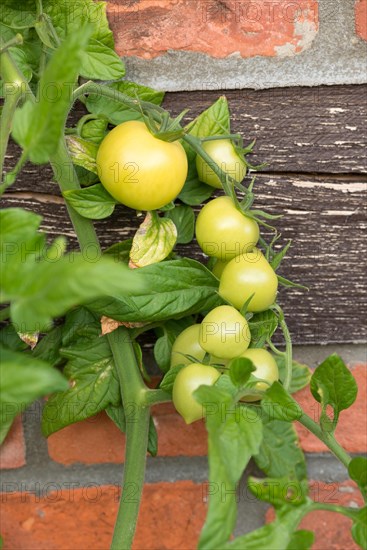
189	379
249	274
224	332
223	231
224	154
187	343
266	369
139	169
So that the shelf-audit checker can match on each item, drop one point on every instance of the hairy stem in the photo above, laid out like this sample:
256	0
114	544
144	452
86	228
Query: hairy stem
137	431
288	347
328	439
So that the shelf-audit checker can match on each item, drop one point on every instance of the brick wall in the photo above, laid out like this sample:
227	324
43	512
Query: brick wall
63	493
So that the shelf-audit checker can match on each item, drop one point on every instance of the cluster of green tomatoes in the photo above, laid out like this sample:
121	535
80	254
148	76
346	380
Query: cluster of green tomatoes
145	173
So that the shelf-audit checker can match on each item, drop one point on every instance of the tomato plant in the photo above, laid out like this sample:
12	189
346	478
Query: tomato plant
225	232
189	379
223	153
247	275
71	328
140	170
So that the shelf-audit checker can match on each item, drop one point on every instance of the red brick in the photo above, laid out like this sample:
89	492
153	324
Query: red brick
171	517
12	451
82	442
361	18
351	431
150	28
332	531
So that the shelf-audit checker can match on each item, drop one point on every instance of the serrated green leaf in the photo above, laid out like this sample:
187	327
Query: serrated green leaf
82	152
101	62
184	219
333	384
48	347
117	415
95	130
280	405
262	327
94	386
41	286
301	540
152	438
169	378
357	470
213	121
301	374
279	491
93	202
24	379
45	122
359	528
240	370
280	454
117	112
175	289
153	241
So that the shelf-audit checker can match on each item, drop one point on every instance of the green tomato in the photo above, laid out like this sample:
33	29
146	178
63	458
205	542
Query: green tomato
187	343
223	231
224	154
224	332
189	379
140	170
249	274
266	369
218	268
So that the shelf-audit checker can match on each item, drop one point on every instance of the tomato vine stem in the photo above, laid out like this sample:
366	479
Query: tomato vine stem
288	347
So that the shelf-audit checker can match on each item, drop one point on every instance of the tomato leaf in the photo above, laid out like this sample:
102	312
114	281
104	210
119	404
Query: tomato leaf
359	528
280	405
240	370
117	112
152	438
95	130
262	327
301	374
94	385
213	121
301	540
279	491
357	470
101	62
184	219
175	289
280	454
232	439
333	384
93	202
44	124
169	378
83	152
153	241
290	284
29	272
24	379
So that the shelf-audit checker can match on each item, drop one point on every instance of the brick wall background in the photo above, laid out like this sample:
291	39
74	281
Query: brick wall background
63	493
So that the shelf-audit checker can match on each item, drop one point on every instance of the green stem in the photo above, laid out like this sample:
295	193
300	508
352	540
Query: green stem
67	179
274	349
137	431
17	40
11	176
154	397
288	347
349	512
328	439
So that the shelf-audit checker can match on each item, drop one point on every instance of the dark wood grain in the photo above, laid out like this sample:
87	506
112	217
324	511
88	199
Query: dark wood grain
314	142
326	220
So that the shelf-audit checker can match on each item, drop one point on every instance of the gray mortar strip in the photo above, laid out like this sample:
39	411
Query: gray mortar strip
336	56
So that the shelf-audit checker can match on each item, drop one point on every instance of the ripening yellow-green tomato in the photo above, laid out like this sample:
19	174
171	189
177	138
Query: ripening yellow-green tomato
187	343
139	169
225	156
189	379
222	231
249	274
224	332
266	369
